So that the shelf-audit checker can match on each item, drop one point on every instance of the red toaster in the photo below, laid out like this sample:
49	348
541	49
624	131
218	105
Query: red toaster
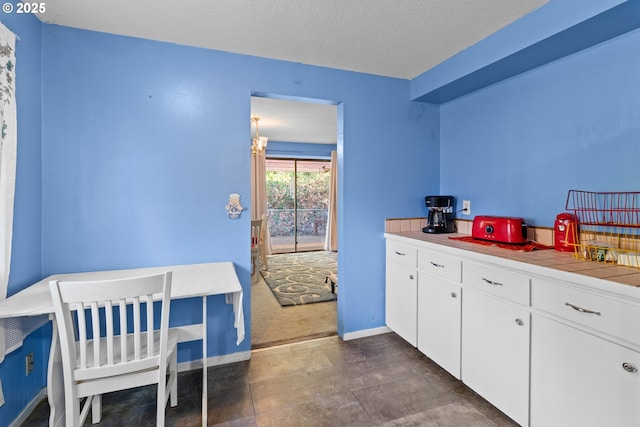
502	229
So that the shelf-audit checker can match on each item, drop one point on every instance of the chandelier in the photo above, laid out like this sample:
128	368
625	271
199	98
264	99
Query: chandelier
259	143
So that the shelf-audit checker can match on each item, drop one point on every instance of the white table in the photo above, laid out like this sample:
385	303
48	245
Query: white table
196	280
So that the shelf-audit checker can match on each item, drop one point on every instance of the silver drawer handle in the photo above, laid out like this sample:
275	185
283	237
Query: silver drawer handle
436	265
454	295
491	282
411	276
400	253
582	310
519	322
629	367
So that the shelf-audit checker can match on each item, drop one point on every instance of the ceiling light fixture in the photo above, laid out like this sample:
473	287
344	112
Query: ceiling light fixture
259	143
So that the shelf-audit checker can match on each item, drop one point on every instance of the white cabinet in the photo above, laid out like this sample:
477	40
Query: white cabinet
548	348
439	321
401	291
439	309
603	314
578	379
495	352
500	282
442	265
496	337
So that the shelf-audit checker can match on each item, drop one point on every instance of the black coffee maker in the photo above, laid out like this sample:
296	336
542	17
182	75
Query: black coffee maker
441	218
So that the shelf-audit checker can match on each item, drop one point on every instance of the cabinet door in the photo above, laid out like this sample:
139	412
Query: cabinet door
495	352
439	321
578	379
401	301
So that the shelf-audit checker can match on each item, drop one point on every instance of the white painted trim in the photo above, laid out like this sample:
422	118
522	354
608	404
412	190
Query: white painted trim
215	360
366	333
27	410
291	344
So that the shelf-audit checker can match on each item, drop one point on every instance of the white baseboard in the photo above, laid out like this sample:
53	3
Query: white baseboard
365	333
27	410
215	360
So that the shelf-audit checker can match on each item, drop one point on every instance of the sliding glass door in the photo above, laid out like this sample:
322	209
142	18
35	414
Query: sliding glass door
298	198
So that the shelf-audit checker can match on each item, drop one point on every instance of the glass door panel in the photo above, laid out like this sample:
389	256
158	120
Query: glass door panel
312	202
281	204
298	198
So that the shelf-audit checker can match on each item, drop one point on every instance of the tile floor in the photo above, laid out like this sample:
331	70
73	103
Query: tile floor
373	381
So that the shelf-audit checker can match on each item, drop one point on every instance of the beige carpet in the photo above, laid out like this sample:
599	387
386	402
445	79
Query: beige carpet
273	325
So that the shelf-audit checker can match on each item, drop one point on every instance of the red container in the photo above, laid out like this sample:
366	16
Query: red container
565	232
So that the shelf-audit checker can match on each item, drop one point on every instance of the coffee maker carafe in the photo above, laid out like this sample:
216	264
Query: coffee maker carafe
441	218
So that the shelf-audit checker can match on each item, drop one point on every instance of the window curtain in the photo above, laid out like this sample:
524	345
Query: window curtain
8	153
259	195
331	239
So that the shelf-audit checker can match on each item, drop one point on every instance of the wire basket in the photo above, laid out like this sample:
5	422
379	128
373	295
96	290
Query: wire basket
609	226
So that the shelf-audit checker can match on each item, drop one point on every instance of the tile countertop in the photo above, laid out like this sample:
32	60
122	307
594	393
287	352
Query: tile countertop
564	264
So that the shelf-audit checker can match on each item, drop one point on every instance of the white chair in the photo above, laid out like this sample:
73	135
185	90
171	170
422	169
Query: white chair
113	362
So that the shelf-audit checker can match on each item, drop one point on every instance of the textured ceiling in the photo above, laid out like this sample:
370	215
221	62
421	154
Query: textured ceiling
293	121
393	38
401	38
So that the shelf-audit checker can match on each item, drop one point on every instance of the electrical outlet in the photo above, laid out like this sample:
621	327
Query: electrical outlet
466	207
28	363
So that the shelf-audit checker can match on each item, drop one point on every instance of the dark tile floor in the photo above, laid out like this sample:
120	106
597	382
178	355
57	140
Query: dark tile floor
374	381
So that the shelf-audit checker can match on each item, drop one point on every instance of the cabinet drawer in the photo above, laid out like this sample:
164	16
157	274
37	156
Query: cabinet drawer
503	283
599	312
401	253
444	266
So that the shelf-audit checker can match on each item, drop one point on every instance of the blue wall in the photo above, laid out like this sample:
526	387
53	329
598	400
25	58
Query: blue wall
555	30
26	248
133	147
517	147
143	142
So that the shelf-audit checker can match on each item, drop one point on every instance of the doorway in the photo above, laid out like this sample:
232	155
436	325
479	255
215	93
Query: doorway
297	204
302	141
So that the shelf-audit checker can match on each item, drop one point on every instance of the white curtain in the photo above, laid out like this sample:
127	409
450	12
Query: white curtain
259	194
8	153
331	239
